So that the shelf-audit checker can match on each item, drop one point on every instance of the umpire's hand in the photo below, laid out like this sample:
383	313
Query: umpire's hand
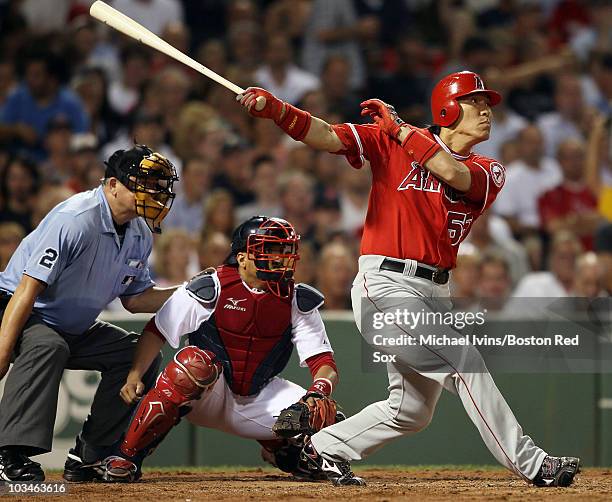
133	389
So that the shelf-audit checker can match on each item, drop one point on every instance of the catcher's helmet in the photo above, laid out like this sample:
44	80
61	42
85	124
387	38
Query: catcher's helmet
444	107
150	176
272	244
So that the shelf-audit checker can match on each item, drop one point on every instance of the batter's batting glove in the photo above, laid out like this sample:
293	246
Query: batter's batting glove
272	109
384	115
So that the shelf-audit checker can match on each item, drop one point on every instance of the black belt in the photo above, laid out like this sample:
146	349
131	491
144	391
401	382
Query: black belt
439	276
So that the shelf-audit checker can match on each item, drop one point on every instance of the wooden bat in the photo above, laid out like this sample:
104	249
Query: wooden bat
120	22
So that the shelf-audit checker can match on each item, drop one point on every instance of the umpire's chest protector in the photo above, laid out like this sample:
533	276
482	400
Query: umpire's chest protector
249	332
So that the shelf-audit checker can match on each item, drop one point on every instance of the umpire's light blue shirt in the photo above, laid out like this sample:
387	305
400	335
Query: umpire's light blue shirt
77	252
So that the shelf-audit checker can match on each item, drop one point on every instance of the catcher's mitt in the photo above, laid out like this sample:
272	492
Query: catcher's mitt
309	415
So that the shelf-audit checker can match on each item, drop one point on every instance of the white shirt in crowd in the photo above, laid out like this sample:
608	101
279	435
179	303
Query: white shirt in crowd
524	185
154	14
555	129
540	285
297	83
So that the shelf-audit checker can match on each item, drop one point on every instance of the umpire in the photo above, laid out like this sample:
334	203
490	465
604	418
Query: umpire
88	250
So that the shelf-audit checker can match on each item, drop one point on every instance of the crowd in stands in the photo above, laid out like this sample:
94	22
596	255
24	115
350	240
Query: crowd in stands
72	92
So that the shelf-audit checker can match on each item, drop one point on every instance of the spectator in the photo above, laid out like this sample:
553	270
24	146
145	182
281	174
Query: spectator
596	84
173	254
219	213
280	76
494	282
236	174
27	112
8	79
603	249
589	280
47	200
19	188
124	93
172	88
557	282
154	14
86	48
199	133
92	87
488	240
527	179
86	168
213	249
599	164
265	188
465	277
326	218
187	210
571	205
335	86
334	29
354	194
11	235
336	268
566	121
306	268
56	169
296	191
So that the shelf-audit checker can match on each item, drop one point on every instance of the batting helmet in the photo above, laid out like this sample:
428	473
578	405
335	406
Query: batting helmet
150	177
445	109
272	244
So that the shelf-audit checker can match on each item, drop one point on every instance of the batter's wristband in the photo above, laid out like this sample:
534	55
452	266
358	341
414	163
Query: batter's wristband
295	123
321	386
420	146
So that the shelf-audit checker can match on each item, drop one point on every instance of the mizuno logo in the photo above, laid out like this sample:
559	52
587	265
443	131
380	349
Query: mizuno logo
233	305
327	466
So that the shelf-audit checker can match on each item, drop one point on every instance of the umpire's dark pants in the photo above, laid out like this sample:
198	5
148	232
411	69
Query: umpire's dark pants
28	406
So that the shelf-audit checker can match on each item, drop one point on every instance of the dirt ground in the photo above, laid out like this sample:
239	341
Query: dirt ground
383	485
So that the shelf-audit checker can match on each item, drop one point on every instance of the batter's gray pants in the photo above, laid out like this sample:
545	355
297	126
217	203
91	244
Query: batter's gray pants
417	378
28	406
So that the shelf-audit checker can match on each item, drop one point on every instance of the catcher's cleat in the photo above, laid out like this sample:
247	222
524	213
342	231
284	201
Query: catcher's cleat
339	473
83	463
120	470
557	471
15	467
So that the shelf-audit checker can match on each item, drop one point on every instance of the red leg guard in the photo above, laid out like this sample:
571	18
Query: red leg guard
192	372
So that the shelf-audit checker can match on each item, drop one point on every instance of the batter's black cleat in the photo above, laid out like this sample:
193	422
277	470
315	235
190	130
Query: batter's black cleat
16	467
83	463
120	470
557	471
339	473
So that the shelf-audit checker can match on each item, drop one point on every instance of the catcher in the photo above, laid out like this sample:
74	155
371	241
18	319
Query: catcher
243	320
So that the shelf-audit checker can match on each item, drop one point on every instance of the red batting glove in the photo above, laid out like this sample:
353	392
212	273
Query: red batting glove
272	109
384	115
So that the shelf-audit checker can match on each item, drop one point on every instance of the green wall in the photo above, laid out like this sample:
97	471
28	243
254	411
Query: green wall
560	412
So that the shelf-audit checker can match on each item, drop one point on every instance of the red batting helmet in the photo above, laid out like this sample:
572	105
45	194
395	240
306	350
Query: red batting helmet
444	107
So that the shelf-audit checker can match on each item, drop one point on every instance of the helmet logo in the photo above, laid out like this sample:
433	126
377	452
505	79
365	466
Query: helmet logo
479	82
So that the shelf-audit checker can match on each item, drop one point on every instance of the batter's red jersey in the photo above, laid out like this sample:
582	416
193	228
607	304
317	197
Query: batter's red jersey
411	213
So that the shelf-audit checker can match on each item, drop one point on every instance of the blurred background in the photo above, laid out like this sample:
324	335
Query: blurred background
72	92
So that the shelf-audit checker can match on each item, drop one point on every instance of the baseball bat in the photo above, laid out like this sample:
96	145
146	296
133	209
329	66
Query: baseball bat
120	22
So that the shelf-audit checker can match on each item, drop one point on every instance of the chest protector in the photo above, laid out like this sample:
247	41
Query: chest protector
249	332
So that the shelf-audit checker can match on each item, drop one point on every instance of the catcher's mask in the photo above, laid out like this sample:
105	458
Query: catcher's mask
150	177
272	245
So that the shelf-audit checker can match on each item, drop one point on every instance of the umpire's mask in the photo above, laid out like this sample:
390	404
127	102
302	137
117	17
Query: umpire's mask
150	177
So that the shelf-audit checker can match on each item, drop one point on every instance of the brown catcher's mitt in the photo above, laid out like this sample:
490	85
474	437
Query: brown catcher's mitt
309	415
